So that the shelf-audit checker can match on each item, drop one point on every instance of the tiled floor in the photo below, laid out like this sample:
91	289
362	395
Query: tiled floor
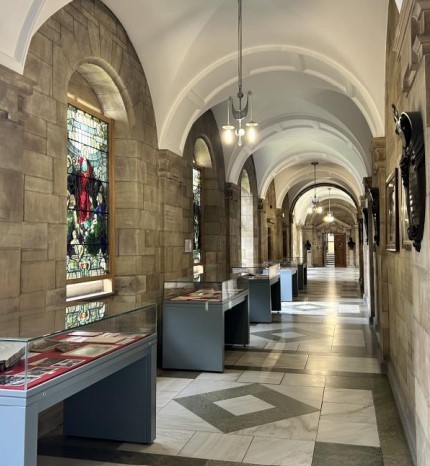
306	392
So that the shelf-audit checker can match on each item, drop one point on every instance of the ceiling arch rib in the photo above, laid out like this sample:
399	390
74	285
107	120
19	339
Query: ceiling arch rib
215	83
296	182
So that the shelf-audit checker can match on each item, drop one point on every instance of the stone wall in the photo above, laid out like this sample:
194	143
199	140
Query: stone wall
407	292
83	36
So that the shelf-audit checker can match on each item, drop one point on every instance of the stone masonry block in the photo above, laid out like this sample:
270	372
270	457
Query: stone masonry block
35	125
128	242
127	218
60	181
57	141
38	184
35	235
41	106
61	74
11	200
41	47
31	301
11	235
128	195
40	72
93	32
126	169
41	207
36	323
38	276
71	49
9	323
56	241
11	147
10	271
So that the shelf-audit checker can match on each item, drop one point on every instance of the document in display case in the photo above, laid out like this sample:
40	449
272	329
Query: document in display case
264	289
109	363
202	314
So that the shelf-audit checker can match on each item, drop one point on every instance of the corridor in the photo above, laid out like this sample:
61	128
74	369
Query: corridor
306	392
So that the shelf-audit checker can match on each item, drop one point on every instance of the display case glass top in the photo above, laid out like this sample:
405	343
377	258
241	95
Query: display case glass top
29	362
201	287
262	271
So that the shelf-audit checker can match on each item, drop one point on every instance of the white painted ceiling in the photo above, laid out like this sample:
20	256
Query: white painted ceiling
316	69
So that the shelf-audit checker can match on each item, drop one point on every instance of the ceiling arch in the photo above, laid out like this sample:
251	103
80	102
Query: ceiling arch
316	69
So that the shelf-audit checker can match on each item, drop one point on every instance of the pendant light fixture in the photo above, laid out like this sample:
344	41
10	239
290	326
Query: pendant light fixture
240	129
315	207
329	217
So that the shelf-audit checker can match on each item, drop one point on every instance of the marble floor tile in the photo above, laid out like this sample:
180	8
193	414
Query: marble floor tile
243	405
334	454
226	447
172	384
352	433
288	334
300	428
261	377
312	396
167	442
336	362
231	357
306	380
273	360
227	376
163	397
349	340
282	406
349	308
346	395
282	452
282	346
207	386
347	412
175	416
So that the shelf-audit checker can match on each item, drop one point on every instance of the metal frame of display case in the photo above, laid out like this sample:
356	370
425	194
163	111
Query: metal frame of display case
110	397
195	332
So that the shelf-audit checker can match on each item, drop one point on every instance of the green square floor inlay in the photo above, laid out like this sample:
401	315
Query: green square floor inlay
205	406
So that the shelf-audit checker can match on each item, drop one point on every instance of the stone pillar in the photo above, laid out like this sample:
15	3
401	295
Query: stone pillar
262	231
279	237
14	89
234	216
175	187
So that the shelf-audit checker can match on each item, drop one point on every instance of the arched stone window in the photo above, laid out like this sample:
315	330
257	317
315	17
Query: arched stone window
201	159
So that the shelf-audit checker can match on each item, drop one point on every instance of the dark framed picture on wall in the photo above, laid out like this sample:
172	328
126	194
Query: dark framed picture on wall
404	219
392	212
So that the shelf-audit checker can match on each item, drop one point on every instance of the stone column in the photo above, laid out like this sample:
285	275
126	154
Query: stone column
234	216
262	231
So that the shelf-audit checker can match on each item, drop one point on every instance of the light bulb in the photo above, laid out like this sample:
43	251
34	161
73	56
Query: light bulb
240	132
251	135
319	210
228	135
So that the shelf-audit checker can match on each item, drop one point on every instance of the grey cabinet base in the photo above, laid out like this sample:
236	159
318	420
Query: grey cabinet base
195	333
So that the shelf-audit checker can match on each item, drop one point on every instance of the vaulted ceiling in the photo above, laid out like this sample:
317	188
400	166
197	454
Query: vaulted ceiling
316	69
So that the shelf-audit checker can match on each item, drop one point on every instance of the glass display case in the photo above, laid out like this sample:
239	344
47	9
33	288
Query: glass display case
201	315
202	287
264	289
28	362
86	367
262	271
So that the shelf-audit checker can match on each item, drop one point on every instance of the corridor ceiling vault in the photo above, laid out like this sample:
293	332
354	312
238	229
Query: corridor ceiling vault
316	69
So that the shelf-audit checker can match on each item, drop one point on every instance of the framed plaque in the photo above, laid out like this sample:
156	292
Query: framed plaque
392	213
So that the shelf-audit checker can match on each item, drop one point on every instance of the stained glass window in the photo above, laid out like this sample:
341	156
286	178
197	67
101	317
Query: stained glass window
85	313
87	195
197	214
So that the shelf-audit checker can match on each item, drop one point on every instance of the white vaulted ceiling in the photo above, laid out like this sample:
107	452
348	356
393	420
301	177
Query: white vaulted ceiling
316	69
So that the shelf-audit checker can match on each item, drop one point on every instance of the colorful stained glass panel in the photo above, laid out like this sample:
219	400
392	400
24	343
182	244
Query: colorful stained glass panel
197	206
87	195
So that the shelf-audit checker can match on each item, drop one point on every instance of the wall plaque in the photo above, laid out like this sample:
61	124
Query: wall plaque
409	127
